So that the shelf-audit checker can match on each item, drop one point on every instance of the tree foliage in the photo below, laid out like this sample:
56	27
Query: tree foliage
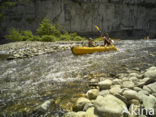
45	32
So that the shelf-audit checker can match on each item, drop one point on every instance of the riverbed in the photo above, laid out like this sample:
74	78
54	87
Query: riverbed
26	83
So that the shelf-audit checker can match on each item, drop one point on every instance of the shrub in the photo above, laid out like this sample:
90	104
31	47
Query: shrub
79	38
48	38
17	35
36	38
46	28
27	35
46	32
14	34
65	37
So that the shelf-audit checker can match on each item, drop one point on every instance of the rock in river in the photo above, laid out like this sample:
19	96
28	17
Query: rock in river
92	93
80	103
151	73
109	106
106	84
130	94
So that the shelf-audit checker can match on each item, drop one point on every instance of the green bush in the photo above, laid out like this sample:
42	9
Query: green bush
48	38
14	34
46	28
36	38
27	35
46	32
65	37
17	35
79	38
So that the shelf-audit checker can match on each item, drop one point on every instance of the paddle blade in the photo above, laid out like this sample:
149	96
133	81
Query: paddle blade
97	28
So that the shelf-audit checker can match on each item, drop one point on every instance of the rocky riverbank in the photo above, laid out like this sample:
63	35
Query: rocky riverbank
125	95
29	49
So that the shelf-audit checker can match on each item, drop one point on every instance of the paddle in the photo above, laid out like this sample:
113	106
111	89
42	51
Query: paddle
99	30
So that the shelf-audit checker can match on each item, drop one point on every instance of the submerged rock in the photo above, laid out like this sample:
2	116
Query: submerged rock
43	108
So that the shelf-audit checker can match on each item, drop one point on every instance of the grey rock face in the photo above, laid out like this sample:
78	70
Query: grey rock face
123	18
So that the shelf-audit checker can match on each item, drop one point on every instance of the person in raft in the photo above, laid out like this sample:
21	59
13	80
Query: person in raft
107	40
90	42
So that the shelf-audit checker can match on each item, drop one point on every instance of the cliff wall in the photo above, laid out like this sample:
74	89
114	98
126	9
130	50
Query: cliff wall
120	18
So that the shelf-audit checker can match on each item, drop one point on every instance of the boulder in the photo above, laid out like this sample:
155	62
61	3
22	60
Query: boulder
128	84
130	94
151	88
115	89
134	101
122	75
145	81
133	75
151	73
92	93
117	82
43	108
80	114
93	82
104	92
137	89
109	106
133	79
149	102
106	84
90	112
121	98
87	106
154	94
134	110
70	114
80	103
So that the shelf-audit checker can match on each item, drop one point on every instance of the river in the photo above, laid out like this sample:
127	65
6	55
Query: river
26	83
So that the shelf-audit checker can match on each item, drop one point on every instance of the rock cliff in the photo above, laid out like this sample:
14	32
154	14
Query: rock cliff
120	18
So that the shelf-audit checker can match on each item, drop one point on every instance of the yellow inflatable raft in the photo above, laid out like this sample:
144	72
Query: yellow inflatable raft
89	50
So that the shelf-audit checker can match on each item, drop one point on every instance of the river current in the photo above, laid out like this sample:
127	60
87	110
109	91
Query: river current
26	83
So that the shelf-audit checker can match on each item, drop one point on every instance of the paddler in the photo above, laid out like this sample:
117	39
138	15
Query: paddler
107	40
90	42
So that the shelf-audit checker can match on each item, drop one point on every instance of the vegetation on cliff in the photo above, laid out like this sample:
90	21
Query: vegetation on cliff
45	32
